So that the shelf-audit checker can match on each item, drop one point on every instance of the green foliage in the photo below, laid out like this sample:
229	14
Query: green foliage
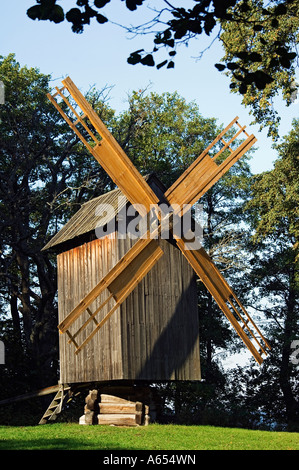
46	10
260	57
259	40
44	175
163	133
274	276
276	194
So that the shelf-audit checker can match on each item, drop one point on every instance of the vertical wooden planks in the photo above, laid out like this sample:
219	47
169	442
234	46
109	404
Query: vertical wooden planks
165	346
79	270
152	336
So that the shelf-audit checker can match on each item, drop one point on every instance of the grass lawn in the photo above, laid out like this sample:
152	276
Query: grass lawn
61	436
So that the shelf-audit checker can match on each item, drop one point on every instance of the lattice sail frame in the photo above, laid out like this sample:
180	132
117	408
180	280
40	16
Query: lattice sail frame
138	261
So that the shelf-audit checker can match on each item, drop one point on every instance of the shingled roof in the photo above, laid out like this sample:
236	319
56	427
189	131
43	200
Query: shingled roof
87	219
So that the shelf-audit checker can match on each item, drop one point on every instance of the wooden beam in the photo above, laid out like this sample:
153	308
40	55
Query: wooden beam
137	262
219	289
112	158
204	172
38	393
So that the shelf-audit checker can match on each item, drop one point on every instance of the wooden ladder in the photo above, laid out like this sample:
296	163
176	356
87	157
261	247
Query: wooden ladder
55	406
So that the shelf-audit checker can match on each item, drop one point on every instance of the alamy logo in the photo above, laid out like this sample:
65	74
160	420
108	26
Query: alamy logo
295	354
2	93
2	353
162	221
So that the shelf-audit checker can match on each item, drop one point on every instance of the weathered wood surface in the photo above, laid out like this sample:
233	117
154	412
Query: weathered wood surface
105	398
121	419
79	270
117	411
91	408
160	318
120	281
153	335
120	408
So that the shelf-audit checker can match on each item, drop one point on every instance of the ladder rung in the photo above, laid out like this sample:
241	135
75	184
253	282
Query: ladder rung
71	338
226	146
79	119
243	128
54	405
58	92
49	413
77	116
245	324
92	316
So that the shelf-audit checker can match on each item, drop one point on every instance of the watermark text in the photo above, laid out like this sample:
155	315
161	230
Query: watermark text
2	353
295	354
162	221
2	93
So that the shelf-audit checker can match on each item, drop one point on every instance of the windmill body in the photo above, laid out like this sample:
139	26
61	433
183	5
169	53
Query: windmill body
154	334
112	293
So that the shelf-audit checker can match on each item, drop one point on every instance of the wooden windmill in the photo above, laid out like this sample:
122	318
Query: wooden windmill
125	274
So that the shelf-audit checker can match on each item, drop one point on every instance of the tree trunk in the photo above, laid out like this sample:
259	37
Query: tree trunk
23	263
16	322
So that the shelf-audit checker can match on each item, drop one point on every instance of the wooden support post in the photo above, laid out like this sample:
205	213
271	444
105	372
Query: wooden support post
90	409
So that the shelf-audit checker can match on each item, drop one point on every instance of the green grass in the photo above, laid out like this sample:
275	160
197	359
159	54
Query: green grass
62	436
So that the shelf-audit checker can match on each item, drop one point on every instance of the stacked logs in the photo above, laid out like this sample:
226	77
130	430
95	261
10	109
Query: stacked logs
120	412
113	410
90	409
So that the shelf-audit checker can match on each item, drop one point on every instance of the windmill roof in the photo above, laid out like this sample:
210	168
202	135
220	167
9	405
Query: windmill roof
87	218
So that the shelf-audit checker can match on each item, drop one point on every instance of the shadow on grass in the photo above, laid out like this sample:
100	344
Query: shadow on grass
54	444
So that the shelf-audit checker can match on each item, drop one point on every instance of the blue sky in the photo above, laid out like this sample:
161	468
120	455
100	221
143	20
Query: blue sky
99	57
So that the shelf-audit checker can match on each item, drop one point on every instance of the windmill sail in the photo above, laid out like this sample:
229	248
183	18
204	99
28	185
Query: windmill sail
204	172
227	300
190	186
103	146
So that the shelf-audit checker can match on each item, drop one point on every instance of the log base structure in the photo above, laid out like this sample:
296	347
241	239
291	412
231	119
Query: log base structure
115	410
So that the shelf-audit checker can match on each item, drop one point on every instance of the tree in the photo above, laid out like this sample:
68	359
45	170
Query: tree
225	237
259	40
163	133
275	275
260	58
45	173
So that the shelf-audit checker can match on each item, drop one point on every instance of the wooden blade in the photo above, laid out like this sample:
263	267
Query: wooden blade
225	298
106	150
120	282
204	171
194	182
